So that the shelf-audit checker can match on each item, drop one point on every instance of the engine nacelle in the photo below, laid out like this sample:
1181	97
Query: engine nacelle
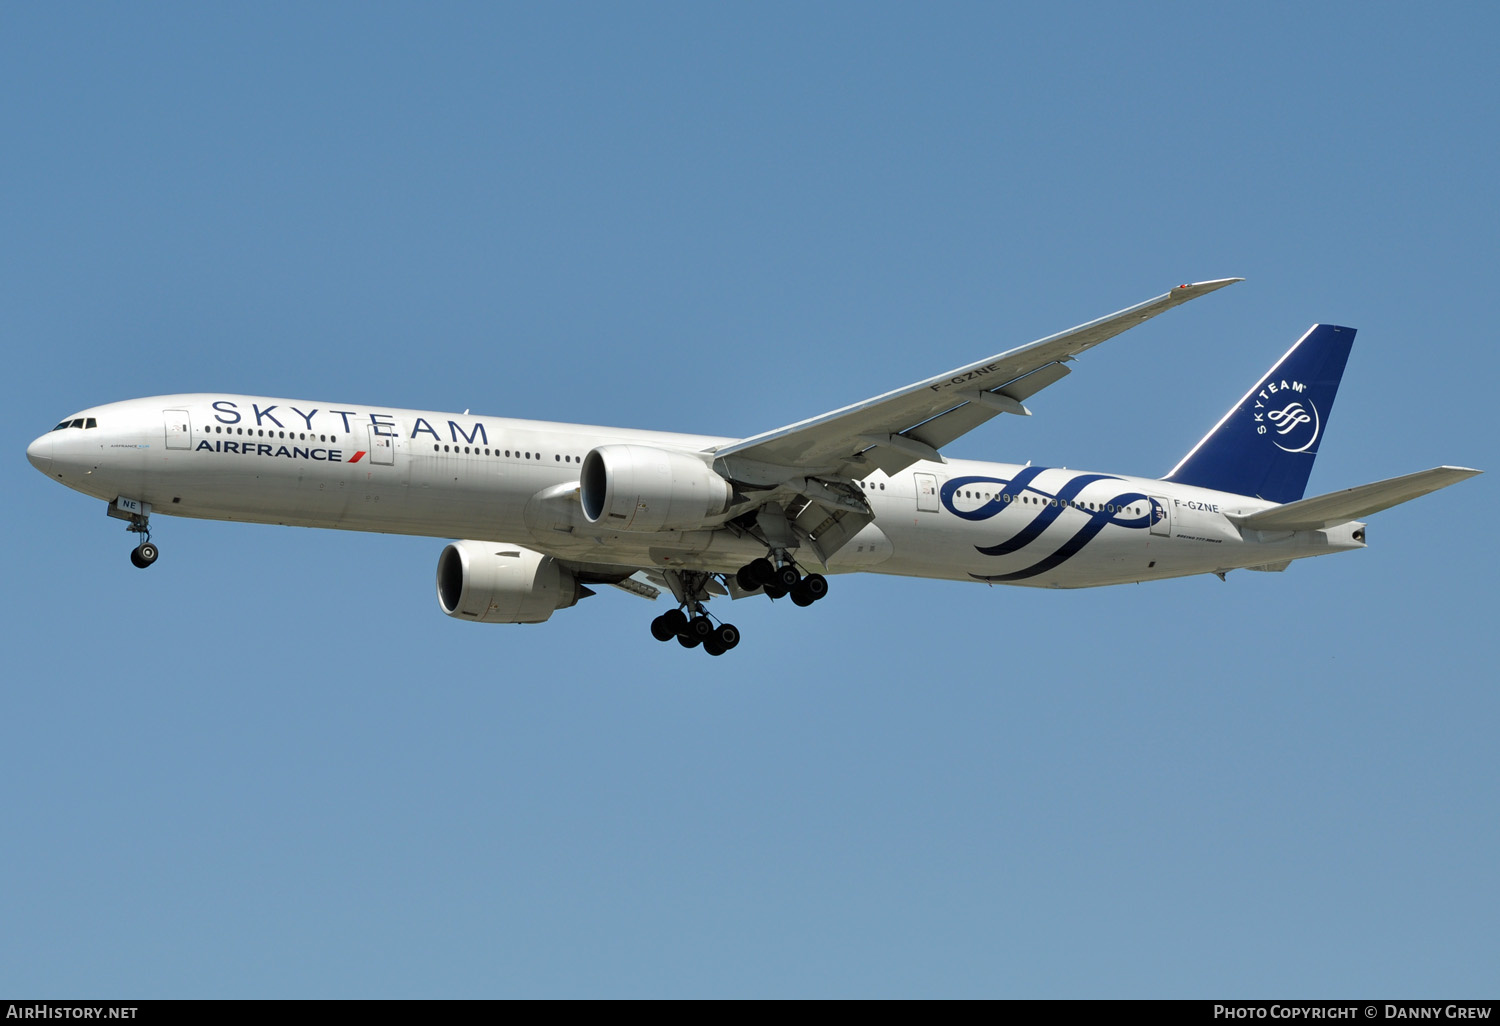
638	488
494	582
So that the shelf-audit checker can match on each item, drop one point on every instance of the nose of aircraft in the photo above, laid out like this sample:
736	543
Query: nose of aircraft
39	453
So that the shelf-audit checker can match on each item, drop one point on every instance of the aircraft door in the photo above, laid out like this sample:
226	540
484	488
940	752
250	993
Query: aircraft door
382	447
179	429
927	493
1161	516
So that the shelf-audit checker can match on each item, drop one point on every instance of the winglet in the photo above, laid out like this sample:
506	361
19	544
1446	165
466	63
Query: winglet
1193	290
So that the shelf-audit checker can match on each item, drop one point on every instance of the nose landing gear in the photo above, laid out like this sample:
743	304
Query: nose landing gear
139	516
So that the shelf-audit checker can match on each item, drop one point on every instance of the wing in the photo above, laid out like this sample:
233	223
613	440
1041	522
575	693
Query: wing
895	430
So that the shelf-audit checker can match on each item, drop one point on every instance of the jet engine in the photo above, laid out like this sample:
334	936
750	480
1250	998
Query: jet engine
494	582
638	488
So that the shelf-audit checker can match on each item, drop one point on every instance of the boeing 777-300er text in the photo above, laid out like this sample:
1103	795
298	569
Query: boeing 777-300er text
547	510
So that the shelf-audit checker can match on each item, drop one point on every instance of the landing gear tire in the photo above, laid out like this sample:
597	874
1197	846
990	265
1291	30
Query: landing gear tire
755	574
668	625
687	640
774	591
700	627
713	647
800	595
816	585
786	577
726	637
143	555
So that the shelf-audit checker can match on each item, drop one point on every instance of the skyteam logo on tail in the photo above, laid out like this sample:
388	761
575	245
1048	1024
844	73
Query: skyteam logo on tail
1289	408
1295	425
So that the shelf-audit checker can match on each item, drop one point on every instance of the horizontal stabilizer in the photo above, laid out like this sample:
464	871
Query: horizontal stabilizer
1352	503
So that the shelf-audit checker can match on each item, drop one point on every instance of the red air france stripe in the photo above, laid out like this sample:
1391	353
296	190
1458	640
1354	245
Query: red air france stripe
357	456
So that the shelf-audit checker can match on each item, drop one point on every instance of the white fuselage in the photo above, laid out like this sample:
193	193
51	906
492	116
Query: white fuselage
362	468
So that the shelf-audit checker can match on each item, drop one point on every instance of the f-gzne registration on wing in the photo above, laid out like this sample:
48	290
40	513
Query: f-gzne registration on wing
549	510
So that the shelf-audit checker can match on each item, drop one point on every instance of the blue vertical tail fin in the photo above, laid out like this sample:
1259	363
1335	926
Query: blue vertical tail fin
1265	445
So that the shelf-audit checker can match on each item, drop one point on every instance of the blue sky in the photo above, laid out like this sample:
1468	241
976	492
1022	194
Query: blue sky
270	767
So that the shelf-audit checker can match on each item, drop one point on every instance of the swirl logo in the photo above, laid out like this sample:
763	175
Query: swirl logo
1290	423
1060	508
1296	425
1289	418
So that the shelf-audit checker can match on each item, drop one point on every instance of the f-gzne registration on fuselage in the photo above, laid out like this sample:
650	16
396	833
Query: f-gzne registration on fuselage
547	510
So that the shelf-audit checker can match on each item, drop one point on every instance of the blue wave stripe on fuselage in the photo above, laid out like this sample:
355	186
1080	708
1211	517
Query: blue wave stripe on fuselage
1098	519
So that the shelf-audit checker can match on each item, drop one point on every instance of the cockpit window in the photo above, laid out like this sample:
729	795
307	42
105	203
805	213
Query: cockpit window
62	425
91	423
78	422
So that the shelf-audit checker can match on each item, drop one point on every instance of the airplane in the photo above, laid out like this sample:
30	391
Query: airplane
545	510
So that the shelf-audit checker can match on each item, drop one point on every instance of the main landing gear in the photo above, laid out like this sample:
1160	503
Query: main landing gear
695	630
780	581
690	623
